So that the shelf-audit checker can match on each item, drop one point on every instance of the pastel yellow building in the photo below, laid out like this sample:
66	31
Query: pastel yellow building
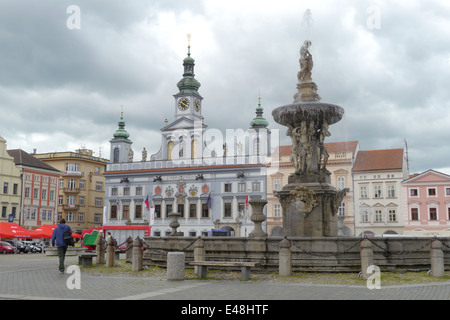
81	187
10	182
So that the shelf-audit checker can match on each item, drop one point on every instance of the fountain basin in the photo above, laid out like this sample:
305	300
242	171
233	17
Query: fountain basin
293	114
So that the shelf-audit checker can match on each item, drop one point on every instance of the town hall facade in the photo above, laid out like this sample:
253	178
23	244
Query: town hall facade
209	185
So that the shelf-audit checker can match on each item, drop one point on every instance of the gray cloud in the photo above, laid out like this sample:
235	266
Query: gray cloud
61	88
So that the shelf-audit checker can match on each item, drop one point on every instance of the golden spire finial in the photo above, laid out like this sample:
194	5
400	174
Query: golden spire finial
189	44
121	110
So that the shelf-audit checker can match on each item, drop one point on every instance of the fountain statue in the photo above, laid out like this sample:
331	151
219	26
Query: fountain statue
309	201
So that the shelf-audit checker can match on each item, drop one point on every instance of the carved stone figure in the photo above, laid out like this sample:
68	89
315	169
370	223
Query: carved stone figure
306	62
144	155
130	155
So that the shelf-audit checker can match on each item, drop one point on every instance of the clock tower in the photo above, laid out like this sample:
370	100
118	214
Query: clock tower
188	102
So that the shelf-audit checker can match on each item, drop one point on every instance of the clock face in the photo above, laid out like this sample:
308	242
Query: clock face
183	104
197	105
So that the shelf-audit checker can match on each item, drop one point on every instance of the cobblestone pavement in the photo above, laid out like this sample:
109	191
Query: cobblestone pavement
35	276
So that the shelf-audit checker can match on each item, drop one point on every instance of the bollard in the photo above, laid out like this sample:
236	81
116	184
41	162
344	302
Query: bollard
199	252
100	250
366	257
136	258
110	252
285	258
175	266
129	253
437	259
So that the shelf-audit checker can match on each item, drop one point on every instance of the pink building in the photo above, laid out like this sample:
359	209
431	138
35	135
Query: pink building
427	204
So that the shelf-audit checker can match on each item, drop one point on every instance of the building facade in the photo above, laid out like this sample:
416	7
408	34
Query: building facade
377	179
426	199
340	162
10	182
39	185
81	187
206	181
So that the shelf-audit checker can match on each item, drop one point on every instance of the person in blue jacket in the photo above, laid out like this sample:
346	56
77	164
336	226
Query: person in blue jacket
61	245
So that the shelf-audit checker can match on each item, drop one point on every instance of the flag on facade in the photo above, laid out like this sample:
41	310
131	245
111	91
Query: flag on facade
117	205
147	204
208	202
105	215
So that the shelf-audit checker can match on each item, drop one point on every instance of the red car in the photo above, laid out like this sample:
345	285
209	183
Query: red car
6	247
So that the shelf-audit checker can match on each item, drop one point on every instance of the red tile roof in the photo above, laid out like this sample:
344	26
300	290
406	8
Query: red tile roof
379	160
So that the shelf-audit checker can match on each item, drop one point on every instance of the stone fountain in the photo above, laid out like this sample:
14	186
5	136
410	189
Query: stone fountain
310	203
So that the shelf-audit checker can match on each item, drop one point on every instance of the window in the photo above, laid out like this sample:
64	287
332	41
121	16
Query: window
227	210
180	210
168	210
205	210
138	211
71	183
227	187
52	195
99	186
27	192
72	167
341	210
241	187
81	200
341	183
157	211
433	214
365	216
126	191
113	191
276	185
377	191
447	191
170	146
98	202
70	199
70	217
49	215
36	193
61	200
44	215
277	210
431	192
44	194
98	218
392	215
391	191
80	216
126	211
378	216
82	184
414	214
192	210
15	186
4	212
448	215
414	192
116	155
256	186
61	183
139	191
363	192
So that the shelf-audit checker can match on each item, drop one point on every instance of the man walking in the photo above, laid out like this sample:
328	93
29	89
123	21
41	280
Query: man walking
61	245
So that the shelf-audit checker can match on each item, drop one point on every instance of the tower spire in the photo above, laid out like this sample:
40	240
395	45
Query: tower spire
259	121
188	84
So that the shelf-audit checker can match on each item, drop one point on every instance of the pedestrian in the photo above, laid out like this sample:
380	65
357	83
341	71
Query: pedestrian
61	245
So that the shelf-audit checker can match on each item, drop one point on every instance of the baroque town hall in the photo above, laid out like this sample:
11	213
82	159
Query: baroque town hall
209	185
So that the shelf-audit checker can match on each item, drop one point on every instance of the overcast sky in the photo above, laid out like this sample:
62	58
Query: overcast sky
63	76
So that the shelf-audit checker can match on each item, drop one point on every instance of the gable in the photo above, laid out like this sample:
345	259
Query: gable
430	176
